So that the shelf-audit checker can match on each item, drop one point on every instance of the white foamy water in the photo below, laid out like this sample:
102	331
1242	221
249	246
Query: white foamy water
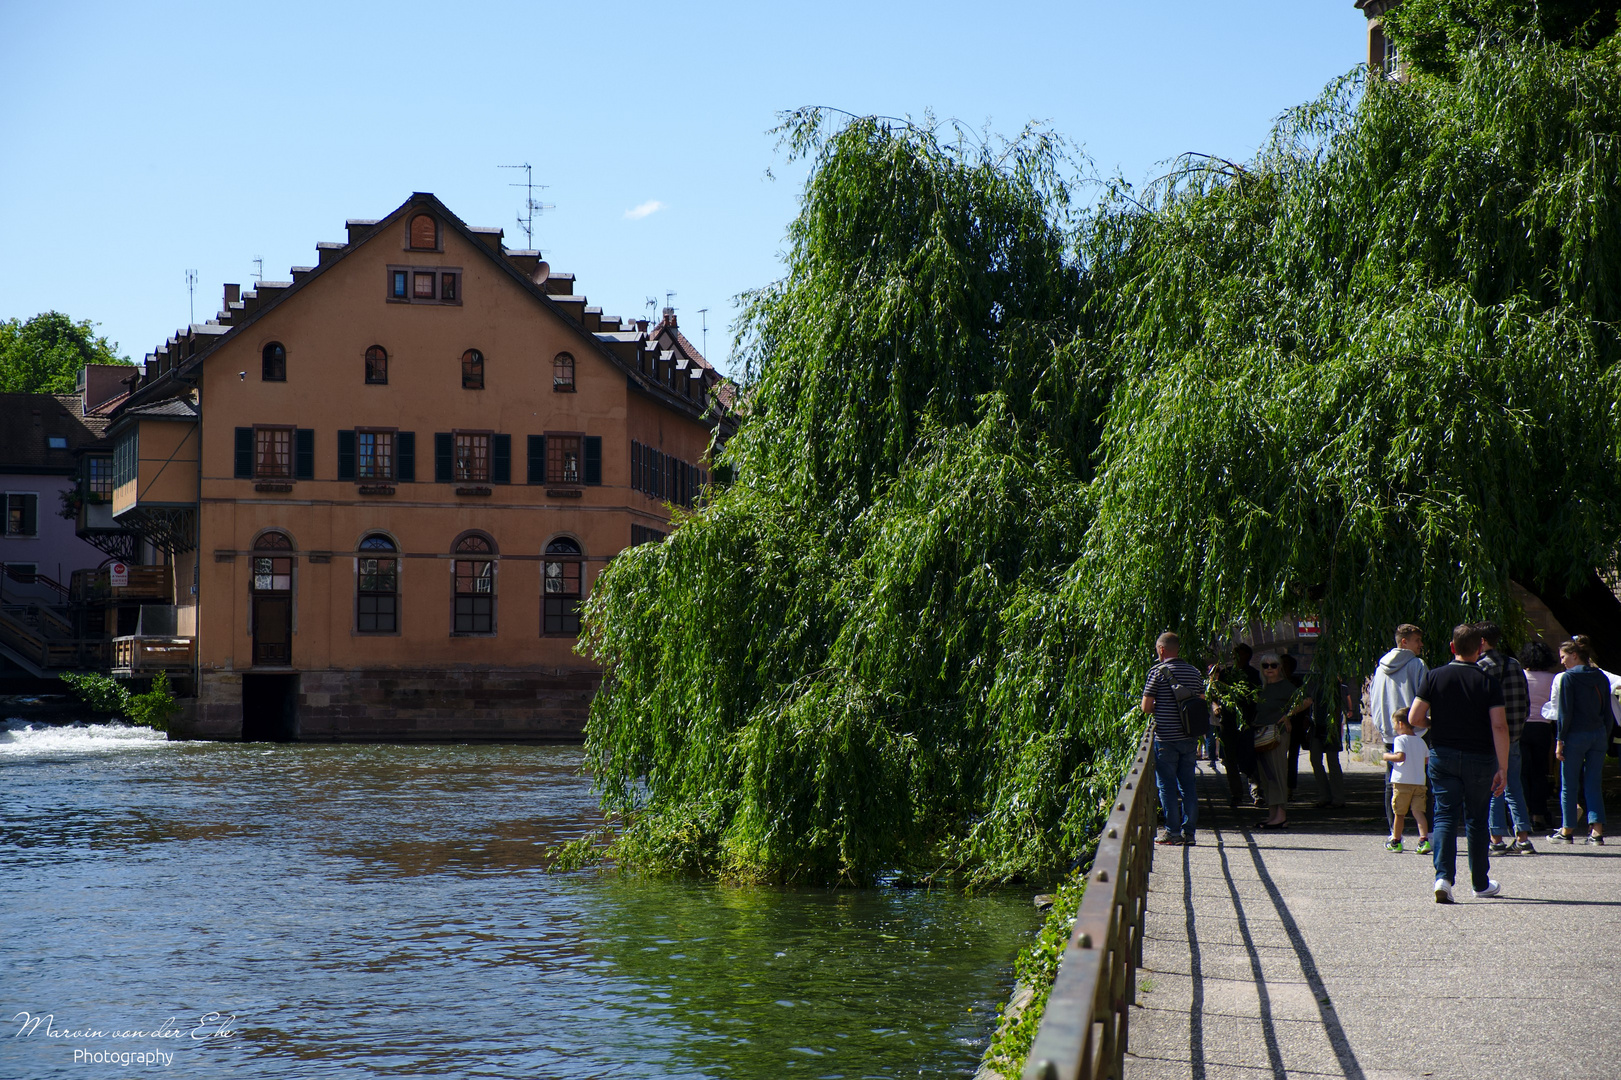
23	738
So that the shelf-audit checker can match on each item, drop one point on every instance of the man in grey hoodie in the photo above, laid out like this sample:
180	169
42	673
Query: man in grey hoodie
1394	686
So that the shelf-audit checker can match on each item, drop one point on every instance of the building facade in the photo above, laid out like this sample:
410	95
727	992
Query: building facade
387	486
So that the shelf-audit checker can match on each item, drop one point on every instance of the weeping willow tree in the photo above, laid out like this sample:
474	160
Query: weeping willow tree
995	440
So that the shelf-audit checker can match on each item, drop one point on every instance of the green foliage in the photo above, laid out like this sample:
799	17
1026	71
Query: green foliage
1036	968
101	694
44	354
153	709
995	444
1435	36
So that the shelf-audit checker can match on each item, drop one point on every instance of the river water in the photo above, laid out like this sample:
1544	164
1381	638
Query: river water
204	909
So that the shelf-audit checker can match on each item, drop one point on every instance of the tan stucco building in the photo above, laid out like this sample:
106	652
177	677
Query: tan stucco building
386	486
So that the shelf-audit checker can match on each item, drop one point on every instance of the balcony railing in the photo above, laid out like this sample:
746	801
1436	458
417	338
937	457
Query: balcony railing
141	654
145	583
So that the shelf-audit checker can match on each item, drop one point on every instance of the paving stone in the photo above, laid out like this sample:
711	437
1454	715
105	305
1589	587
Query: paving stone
1313	952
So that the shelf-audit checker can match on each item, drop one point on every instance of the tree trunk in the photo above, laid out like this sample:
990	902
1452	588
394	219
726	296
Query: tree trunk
1590	609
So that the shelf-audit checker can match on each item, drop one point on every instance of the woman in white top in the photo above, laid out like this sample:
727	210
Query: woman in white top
1536	745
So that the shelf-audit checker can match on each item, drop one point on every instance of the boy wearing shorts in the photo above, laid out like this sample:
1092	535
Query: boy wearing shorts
1407	782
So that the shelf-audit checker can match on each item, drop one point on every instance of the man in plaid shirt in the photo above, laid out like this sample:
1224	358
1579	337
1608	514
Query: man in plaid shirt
1517	704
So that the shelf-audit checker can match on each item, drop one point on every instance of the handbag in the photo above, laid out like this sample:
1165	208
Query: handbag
1267	736
1190	705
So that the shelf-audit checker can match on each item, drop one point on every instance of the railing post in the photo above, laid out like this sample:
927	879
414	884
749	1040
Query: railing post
1084	1032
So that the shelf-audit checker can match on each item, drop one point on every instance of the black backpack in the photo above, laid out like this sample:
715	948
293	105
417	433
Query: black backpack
1190	704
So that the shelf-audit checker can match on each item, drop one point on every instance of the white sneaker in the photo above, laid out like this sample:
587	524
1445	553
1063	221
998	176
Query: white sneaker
1492	889
1443	891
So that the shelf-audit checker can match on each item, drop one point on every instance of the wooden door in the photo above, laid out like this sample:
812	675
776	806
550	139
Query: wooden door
272	631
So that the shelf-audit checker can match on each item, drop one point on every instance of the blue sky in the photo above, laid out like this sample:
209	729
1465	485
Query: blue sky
141	140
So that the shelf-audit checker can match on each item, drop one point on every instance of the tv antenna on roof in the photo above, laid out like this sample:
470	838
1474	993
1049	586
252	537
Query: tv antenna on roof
191	293
704	312
259	269
526	216
669	299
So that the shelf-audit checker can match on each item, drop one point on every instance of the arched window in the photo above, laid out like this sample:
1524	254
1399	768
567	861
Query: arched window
377	365
272	600
563	373
274	363
472	370
564	564
475	586
377	587
424	232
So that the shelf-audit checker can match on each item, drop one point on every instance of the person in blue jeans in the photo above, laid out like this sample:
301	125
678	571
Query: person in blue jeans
1462	706
1582	711
1509	806
1175	750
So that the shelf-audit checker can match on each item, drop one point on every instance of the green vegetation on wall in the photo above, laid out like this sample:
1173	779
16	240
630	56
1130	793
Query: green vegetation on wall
995	441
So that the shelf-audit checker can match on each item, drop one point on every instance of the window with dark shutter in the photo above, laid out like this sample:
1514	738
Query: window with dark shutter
593	459
374	456
405	446
537	459
272	453
501	459
424	232
346	455
22	513
562	459
304	453
244	453
444	457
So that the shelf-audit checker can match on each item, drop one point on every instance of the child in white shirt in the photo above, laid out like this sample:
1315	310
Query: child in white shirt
1407	783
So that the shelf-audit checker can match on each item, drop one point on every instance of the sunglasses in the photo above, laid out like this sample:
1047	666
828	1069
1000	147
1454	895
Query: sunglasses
1271	665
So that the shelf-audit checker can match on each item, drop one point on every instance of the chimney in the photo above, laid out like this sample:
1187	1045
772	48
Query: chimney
641	324
233	294
669	316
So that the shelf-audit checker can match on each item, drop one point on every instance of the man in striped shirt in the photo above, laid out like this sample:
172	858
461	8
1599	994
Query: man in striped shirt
1175	750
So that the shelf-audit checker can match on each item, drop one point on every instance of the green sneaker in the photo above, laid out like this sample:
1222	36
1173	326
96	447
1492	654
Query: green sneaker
1393	845
1424	847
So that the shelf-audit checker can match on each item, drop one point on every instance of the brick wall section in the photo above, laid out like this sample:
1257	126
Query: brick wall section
413	705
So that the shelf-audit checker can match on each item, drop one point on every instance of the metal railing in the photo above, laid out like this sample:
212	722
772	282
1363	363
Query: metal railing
1083	1031
146	654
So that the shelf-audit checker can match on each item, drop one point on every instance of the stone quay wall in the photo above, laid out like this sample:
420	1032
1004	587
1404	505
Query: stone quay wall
455	704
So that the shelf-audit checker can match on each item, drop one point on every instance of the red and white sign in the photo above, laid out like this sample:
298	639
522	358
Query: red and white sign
119	573
1308	628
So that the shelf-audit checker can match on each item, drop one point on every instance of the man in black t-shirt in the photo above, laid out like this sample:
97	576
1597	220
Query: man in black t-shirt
1462	706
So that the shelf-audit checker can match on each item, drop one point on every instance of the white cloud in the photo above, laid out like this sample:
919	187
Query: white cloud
651	206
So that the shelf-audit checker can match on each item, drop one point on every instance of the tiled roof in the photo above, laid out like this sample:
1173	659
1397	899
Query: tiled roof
29	421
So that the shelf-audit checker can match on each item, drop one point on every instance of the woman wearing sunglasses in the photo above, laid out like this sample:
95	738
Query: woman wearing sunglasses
1278	701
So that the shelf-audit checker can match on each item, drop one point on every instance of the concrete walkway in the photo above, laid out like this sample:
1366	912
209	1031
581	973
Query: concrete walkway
1313	952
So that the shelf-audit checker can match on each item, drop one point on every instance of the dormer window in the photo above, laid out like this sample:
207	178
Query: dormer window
424	234
273	366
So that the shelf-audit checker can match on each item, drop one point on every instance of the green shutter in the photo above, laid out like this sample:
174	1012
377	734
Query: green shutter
346	454
593	459
244	453
304	454
501	459
537	459
405	456
442	452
